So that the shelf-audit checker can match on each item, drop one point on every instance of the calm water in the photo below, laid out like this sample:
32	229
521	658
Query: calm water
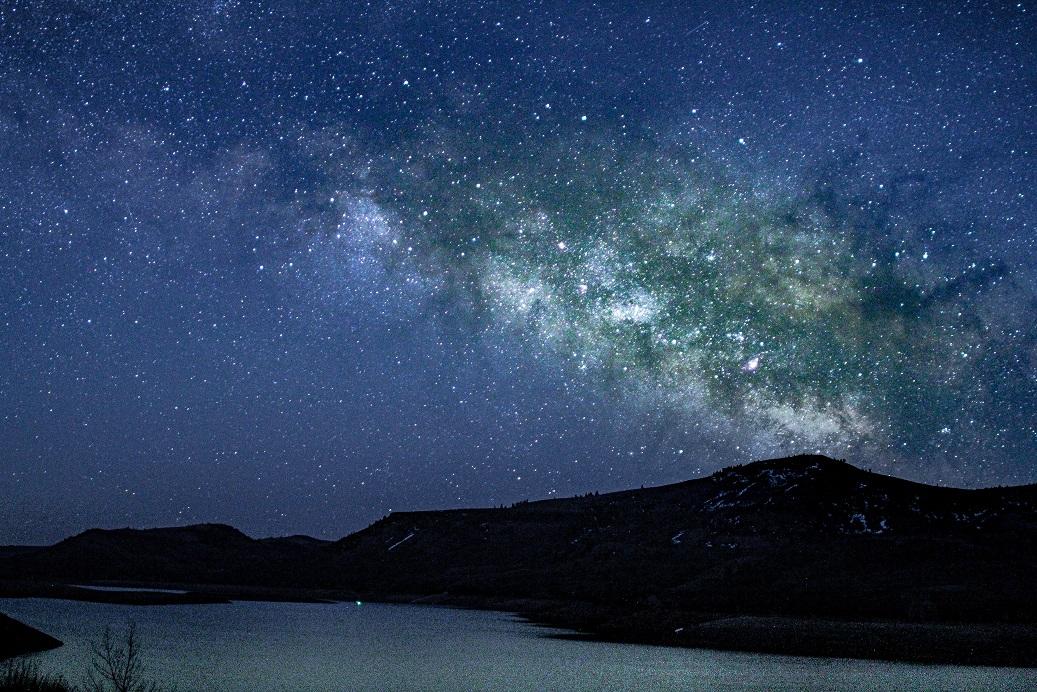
285	646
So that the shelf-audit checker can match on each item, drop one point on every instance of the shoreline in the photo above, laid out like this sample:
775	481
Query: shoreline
979	645
936	643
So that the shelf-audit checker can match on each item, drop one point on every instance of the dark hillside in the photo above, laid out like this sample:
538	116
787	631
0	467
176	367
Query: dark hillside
732	559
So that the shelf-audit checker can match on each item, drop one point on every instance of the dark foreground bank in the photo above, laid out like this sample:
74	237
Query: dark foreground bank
943	643
981	644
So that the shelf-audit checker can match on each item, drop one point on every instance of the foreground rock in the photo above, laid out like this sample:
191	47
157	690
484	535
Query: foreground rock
17	638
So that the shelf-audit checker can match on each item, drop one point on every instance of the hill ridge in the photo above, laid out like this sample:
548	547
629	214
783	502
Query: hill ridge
801	537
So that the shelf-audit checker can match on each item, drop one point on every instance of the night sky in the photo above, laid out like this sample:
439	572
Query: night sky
293	265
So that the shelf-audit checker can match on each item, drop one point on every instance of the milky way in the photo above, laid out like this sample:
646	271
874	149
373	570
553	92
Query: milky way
809	314
292	266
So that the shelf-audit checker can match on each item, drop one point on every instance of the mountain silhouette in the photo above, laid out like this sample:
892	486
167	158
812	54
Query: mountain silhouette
804	538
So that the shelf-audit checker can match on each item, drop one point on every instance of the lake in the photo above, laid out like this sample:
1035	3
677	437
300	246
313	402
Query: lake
293	646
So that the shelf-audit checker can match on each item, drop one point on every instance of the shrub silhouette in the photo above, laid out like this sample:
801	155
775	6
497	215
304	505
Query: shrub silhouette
23	675
118	663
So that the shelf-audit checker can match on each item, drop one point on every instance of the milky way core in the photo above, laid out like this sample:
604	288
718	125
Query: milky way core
808	314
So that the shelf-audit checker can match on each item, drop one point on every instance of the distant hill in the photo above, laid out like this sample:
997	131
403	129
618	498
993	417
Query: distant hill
199	554
805	535
801	537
